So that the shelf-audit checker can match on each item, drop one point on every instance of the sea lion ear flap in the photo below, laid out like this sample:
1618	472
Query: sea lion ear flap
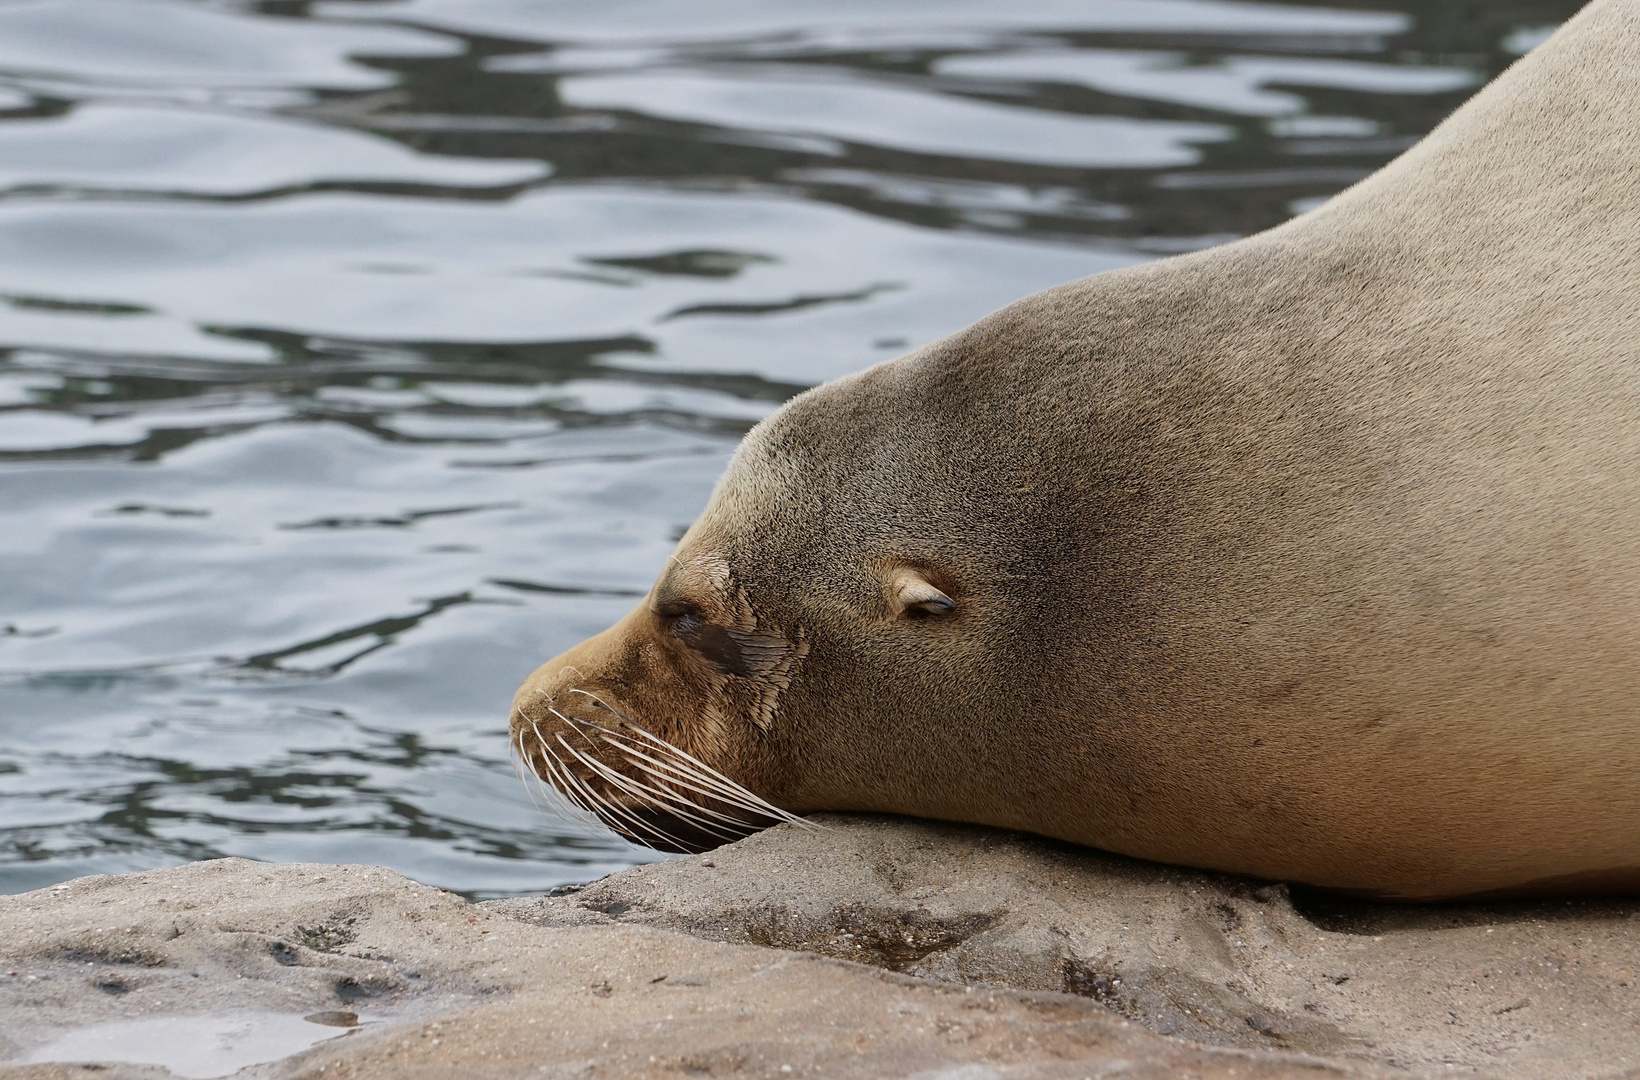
911	593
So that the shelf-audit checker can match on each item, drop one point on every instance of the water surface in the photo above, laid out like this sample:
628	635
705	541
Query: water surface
355	357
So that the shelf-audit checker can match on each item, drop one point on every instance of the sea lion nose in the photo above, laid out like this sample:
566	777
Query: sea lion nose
582	667
604	729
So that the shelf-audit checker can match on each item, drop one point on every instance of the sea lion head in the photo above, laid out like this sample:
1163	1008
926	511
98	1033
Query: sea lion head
846	599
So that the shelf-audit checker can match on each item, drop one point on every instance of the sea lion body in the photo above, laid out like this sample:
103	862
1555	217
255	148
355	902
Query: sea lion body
1315	556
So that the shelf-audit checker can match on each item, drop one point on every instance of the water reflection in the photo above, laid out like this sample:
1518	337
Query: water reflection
355	357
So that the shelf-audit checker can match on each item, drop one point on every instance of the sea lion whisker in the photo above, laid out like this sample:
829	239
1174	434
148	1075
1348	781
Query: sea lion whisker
533	782
564	791
577	723
727	793
663	794
572	788
727	790
521	769
617	812
651	765
564	787
740	824
648	793
732	829
664	798
571	801
551	785
531	777
768	807
602	704
708	782
671	773
726	787
572	797
624	783
611	816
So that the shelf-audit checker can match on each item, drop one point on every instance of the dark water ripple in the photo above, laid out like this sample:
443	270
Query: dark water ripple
357	356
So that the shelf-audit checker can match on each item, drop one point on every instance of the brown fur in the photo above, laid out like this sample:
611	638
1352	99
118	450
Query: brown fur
1315	556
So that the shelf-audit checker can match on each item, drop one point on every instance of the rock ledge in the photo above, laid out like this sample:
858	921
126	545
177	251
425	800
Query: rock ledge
872	948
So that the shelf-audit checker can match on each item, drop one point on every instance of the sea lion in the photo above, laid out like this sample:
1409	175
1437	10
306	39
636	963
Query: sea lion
1315	556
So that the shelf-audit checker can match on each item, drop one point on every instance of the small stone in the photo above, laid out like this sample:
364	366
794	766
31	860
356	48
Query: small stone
334	1018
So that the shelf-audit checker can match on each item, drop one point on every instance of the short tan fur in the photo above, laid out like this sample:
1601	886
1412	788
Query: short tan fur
1315	556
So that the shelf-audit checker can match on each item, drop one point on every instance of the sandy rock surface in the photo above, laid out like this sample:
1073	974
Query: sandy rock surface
1004	957
427	985
1506	990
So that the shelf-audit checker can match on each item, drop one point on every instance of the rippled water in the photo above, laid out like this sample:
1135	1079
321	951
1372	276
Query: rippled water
357	356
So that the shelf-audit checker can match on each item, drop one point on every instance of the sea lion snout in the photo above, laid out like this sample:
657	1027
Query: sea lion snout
644	726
